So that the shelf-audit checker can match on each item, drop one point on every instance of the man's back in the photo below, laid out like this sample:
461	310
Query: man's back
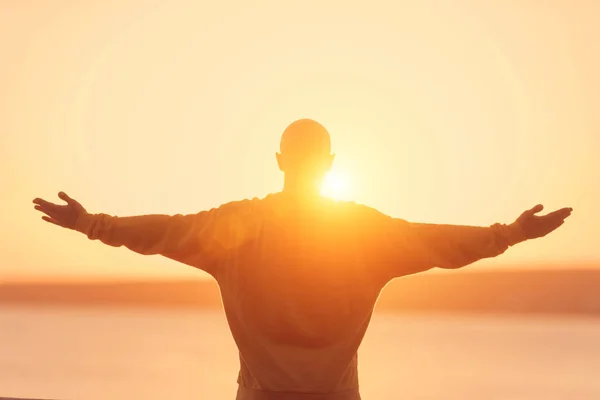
299	293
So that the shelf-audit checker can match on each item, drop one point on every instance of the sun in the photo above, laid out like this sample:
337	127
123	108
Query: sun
337	186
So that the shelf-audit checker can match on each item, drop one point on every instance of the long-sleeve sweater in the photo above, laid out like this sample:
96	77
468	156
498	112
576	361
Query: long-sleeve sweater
299	279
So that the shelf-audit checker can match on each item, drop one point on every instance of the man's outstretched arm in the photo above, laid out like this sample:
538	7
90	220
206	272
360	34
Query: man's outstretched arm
415	247
193	239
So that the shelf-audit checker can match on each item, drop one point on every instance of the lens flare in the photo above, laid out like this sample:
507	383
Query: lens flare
337	186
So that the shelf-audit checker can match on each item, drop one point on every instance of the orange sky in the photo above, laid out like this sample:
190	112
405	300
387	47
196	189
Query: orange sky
440	111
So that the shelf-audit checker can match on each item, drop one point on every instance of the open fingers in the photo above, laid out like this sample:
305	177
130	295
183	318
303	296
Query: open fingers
45	206
535	209
559	214
49	211
42	202
66	198
50	220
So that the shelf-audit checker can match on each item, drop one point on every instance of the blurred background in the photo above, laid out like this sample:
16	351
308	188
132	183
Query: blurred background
458	112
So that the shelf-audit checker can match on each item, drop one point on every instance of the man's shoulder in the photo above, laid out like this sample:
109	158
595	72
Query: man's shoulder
360	209
240	205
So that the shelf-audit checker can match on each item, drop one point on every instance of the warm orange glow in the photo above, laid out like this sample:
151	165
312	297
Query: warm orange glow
445	112
337	186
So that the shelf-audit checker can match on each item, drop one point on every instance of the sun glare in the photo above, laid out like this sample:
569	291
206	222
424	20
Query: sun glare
337	186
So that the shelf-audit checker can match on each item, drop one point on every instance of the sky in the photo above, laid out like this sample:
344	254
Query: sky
459	112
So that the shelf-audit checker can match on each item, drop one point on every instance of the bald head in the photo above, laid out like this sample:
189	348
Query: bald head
305	151
305	138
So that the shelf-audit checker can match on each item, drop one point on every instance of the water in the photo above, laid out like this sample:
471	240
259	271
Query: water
148	354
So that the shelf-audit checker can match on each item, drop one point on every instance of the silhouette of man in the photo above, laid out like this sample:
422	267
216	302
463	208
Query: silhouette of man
300	274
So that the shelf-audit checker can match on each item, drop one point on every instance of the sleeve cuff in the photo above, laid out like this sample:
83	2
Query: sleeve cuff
84	223
514	234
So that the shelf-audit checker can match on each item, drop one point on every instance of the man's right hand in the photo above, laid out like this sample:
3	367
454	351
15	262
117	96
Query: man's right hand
61	215
535	226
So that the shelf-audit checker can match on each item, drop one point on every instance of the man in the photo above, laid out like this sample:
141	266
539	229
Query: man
299	273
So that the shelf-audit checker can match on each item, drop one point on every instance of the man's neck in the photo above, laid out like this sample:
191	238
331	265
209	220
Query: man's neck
302	187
